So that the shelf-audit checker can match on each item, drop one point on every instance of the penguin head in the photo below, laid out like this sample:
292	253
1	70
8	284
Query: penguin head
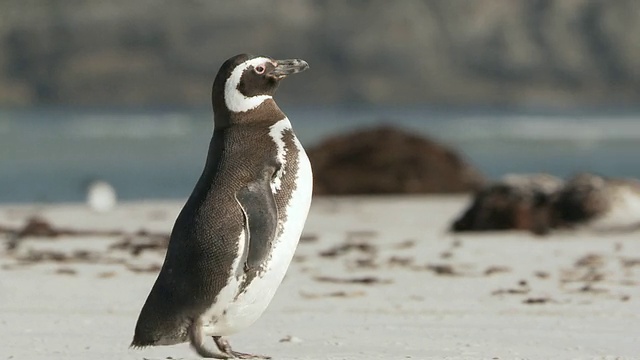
244	81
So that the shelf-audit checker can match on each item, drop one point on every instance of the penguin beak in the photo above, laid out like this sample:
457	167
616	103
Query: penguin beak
287	67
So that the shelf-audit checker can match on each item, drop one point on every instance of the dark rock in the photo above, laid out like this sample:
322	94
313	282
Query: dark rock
603	203
582	198
541	203
517	202
386	160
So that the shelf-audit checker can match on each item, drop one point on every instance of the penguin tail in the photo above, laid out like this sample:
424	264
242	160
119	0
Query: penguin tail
135	346
138	343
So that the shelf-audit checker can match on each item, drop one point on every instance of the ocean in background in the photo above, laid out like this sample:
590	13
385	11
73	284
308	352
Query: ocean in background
51	154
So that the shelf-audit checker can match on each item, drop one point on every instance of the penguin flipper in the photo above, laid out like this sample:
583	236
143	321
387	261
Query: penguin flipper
259	207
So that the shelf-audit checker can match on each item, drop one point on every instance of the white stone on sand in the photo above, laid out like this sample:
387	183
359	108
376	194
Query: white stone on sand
101	196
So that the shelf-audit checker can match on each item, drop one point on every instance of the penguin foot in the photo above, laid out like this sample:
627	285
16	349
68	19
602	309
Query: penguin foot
196	338
225	347
239	355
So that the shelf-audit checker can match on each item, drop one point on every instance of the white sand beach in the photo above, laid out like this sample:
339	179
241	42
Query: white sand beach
373	278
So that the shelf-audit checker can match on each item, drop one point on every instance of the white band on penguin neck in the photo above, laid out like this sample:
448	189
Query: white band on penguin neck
233	98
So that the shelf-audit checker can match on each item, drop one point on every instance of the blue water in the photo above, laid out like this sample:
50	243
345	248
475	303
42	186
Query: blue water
50	154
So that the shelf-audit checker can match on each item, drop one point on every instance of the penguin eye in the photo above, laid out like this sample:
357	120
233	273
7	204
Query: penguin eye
259	69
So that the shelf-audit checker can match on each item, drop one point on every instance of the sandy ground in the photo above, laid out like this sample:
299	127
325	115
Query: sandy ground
373	278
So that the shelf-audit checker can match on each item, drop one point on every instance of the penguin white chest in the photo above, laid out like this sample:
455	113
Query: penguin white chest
235	307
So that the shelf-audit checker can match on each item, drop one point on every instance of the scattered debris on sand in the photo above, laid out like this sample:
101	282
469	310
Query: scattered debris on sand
20	246
308	238
349	247
443	269
496	270
522	289
291	339
537	300
336	294
365	280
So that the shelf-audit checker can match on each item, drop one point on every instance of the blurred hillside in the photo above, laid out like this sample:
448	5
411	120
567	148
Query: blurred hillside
144	52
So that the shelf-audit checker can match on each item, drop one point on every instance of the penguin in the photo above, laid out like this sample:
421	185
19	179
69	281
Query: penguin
234	239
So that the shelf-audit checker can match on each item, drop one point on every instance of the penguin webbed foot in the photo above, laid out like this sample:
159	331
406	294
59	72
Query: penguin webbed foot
224	346
209	354
239	355
196	337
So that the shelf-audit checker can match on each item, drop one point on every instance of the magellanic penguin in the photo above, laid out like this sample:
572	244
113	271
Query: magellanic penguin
236	235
